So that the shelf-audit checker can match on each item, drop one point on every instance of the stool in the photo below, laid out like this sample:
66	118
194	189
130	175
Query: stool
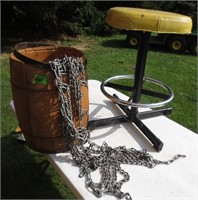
145	21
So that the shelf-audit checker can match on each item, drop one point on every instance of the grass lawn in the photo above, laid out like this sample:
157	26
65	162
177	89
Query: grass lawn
107	56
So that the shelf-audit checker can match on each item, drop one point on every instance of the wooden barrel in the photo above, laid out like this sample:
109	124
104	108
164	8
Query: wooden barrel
36	97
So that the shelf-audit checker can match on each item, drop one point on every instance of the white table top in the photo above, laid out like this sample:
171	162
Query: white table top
177	181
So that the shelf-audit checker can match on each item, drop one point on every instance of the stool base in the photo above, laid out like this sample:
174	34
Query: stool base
131	109
137	120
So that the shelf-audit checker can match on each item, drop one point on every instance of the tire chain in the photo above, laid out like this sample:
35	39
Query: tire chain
88	155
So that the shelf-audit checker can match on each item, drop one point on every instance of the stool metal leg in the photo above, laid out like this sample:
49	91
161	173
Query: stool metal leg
140	66
157	143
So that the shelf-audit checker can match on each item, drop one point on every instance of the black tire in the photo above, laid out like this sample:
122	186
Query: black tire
193	48
176	44
133	39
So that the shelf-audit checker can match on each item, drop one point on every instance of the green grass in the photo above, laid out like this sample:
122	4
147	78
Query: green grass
107	56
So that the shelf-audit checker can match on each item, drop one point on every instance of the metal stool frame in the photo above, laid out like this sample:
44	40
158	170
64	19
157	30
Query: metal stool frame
131	106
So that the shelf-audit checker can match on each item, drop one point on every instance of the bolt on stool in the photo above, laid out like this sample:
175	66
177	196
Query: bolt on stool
146	21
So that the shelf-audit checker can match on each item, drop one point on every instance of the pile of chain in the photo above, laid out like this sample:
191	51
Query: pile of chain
88	155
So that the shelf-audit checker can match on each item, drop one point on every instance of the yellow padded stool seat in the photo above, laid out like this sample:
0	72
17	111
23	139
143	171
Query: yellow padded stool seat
148	20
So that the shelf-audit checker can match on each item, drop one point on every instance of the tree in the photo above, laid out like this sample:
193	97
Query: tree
74	17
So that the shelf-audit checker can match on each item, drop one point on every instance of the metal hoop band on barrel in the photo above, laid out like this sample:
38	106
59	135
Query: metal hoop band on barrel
129	103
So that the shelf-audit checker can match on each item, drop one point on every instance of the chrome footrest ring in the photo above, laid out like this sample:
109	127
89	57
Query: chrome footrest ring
137	105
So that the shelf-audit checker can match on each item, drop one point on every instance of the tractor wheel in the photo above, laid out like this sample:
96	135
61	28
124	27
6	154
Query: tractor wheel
133	39
176	44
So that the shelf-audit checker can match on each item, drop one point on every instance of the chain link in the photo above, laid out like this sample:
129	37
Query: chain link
105	159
